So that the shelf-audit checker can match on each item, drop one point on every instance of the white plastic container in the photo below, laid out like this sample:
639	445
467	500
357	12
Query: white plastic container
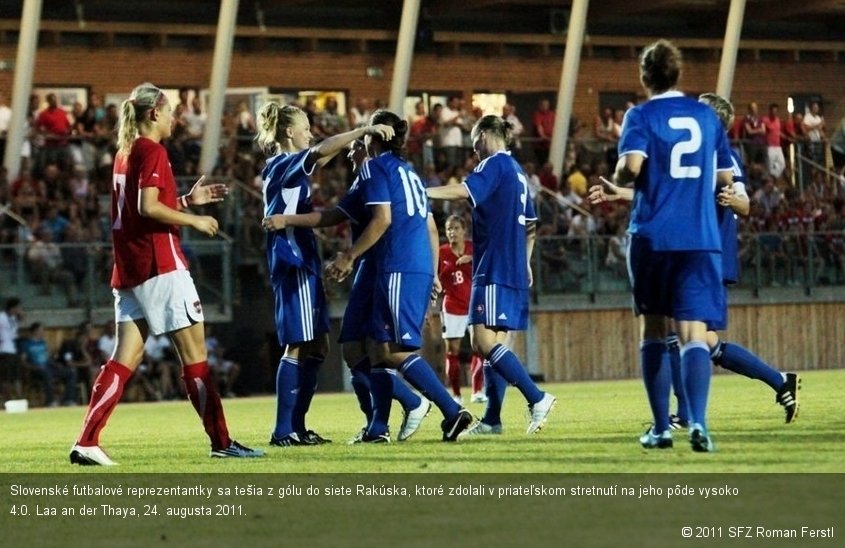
16	406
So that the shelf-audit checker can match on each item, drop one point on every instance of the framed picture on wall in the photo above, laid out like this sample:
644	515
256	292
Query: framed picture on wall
66	96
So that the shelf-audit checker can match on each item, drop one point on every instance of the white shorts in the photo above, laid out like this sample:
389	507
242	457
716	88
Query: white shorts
454	326
775	162
167	302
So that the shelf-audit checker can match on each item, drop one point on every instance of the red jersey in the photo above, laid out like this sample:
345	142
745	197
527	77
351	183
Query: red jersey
143	247
456	280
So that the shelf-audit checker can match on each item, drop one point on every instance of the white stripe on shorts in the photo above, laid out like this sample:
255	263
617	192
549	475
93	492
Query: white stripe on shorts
305	311
394	287
490	304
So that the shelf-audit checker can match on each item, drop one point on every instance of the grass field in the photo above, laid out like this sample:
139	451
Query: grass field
593	429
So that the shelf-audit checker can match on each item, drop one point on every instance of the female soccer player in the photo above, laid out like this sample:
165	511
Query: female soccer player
353	331
503	238
674	258
732	201
153	291
405	257
302	321
454	268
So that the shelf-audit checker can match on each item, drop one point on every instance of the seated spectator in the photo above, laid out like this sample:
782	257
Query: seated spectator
225	370
39	363
46	266
74	354
163	363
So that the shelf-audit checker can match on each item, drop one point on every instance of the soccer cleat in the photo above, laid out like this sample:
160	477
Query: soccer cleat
787	396
380	438
651	440
478	397
457	424
236	451
290	440
483	429
358	436
412	419
313	438
539	412
677	423
89	456
700	440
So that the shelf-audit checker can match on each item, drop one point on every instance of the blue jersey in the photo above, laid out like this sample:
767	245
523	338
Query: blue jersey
498	192
353	206
684	144
287	191
728	227
406	246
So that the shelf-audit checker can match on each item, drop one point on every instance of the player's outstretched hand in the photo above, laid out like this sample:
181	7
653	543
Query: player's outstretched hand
436	289
605	192
274	222
206	225
384	131
340	267
202	193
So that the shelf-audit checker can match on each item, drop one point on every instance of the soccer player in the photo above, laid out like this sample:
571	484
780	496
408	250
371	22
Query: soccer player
302	318
153	290
353	331
454	268
732	200
667	151
406	240
503	223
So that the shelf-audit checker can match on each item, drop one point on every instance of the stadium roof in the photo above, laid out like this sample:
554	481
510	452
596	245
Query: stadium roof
816	20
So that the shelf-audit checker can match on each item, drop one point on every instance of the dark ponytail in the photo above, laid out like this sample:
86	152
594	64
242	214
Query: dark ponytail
400	131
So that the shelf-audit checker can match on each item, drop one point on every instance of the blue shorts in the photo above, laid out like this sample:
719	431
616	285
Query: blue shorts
360	305
499	307
400	302
722	323
302	313
684	285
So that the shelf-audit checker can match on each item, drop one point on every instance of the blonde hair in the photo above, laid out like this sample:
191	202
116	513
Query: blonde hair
135	111
273	120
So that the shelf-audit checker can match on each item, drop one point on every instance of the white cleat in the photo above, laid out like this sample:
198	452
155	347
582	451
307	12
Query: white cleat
483	429
89	456
413	418
478	397
539	412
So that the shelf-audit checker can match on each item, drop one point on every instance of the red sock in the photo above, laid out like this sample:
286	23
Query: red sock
108	388
202	392
453	372
476	368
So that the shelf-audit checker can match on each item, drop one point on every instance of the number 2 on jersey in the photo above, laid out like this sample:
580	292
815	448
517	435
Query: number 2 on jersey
690	146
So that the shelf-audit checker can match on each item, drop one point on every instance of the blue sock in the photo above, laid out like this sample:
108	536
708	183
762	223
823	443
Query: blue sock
508	366
422	377
695	360
361	386
657	377
287	384
674	355
403	393
494	388
307	386
735	358
381	387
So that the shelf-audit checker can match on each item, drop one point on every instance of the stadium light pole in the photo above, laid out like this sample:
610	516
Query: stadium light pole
404	55
24	67
727	65
217	88
568	77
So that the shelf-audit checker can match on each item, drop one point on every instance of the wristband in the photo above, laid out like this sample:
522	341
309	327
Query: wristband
184	201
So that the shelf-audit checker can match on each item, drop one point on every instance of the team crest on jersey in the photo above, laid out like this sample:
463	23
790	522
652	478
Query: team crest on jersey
479	308
198	307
